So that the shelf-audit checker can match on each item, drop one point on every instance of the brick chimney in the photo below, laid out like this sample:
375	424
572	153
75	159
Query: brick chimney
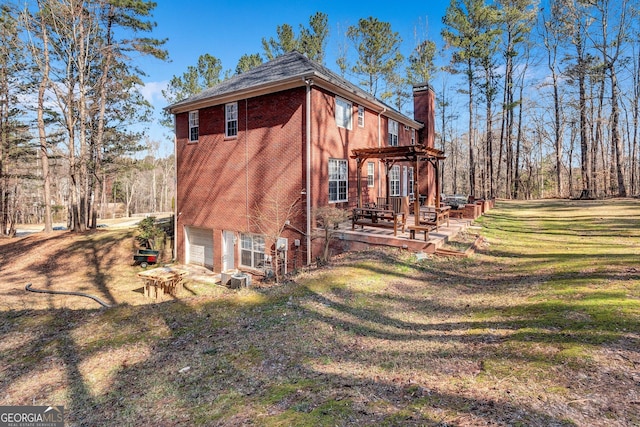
424	112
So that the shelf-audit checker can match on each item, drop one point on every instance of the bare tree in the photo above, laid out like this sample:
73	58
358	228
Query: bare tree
271	217
611	51
551	40
574	27
329	217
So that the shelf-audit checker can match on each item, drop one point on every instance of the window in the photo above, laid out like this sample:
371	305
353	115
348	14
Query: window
252	251
394	181
413	136
343	113
393	133
371	167
411	181
231	119
337	180
193	126
360	116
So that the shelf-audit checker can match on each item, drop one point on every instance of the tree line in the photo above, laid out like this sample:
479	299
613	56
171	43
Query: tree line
547	115
70	95
532	100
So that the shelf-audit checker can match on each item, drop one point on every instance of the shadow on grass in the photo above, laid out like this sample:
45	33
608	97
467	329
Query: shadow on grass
322	355
236	360
99	252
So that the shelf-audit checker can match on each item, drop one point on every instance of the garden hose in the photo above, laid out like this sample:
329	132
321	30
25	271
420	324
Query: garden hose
80	294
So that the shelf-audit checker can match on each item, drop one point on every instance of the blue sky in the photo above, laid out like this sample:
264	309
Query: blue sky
228	29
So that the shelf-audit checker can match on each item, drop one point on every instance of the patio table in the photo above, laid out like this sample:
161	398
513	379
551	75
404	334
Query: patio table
162	280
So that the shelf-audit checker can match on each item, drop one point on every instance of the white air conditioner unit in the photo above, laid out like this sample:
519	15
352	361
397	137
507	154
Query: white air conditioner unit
240	280
225	277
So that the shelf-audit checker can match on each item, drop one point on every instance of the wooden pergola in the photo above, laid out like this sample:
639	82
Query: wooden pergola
413	154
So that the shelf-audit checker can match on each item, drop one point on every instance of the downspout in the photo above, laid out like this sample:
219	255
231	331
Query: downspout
175	189
309	83
246	163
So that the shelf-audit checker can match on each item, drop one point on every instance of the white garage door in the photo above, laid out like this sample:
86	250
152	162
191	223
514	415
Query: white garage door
199	247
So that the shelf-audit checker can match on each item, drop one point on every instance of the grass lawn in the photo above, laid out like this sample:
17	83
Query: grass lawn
539	328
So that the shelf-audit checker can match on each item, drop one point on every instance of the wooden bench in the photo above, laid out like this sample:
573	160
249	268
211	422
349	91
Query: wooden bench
431	215
376	217
424	228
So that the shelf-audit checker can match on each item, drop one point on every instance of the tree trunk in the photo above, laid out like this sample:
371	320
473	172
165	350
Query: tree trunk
472	164
616	141
597	141
587	192
44	148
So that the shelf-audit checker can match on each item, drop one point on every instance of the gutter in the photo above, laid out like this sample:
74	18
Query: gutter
175	189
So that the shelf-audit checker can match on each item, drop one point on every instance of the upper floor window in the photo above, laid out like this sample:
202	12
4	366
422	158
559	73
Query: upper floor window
193	126
343	113
371	167
360	116
231	119
338	180
393	133
413	136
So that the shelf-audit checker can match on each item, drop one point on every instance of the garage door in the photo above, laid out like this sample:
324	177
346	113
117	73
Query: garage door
199	247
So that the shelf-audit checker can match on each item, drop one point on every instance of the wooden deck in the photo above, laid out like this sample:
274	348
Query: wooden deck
363	235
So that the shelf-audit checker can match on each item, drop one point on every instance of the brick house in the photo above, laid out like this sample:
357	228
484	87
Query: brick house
278	136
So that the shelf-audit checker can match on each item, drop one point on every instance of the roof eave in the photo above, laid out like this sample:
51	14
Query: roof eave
284	84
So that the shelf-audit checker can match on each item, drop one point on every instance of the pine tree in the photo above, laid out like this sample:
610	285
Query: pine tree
378	48
16	158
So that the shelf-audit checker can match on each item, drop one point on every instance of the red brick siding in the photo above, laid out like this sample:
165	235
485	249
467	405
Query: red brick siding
424	111
331	141
224	182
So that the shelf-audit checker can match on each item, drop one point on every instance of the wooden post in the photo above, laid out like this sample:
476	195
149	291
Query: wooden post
435	164
387	168
416	192
359	163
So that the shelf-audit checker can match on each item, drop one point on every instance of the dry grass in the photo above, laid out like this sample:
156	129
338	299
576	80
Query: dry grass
538	328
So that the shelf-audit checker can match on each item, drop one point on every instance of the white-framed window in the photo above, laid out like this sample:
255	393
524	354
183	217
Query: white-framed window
194	124
360	116
344	111
371	169
231	119
413	136
338	179
394	181
393	133
411	181
252	250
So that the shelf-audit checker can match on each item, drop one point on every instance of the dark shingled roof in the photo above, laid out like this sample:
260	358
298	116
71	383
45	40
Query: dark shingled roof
282	68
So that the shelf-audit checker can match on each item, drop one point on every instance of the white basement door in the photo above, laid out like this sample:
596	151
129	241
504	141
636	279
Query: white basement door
199	246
